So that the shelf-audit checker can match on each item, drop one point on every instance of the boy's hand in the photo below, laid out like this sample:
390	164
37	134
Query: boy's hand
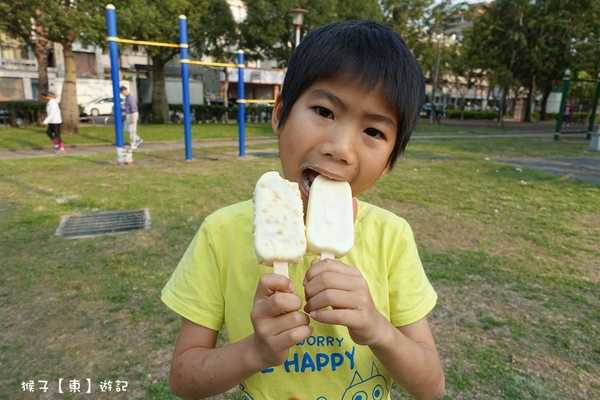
278	323
330	283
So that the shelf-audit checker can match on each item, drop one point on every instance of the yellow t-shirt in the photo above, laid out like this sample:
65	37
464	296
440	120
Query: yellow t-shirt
215	283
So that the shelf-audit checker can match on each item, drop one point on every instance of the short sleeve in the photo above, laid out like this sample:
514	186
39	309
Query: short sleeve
194	290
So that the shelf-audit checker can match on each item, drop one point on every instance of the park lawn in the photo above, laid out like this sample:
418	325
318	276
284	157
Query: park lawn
14	138
513	256
35	137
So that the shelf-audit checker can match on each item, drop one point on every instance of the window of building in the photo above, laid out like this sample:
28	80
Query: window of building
12	49
85	64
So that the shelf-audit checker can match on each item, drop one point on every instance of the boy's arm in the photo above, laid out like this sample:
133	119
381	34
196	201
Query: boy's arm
410	355
199	370
407	352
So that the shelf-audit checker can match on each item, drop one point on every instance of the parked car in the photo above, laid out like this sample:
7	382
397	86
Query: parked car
101	106
230	102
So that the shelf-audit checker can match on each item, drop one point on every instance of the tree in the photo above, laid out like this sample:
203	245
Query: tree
534	42
20	19
155	21
218	37
499	30
567	36
66	21
268	31
409	18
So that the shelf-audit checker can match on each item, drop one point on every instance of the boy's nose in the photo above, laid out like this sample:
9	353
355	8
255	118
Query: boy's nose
341	145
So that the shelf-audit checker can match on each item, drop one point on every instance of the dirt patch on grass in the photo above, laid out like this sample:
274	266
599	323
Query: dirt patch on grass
504	322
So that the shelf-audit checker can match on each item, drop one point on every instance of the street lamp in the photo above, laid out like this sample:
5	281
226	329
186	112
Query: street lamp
441	40
297	19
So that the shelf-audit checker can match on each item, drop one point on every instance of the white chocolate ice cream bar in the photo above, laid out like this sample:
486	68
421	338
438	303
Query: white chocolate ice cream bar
330	218
279	232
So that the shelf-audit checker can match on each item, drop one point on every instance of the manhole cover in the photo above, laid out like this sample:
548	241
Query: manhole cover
88	225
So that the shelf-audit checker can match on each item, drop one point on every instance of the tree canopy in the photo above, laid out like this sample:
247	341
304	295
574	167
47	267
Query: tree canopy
513	43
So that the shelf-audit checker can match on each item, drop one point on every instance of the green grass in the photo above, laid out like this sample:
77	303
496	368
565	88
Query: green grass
14	138
515	265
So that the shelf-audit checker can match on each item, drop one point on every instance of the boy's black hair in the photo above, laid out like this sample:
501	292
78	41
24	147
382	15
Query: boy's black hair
364	50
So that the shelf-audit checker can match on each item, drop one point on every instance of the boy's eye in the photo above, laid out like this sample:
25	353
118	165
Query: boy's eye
323	112
374	133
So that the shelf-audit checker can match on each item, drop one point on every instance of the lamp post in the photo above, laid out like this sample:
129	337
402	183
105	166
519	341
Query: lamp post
297	19
441	40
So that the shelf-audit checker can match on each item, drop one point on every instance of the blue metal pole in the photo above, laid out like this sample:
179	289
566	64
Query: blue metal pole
111	23
185	78
241	104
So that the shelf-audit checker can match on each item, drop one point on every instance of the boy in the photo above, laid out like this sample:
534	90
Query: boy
337	329
53	120
131	118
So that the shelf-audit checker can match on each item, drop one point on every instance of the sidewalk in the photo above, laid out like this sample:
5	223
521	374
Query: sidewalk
87	149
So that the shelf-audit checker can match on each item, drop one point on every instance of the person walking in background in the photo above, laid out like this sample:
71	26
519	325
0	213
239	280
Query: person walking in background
131	118
53	121
568	114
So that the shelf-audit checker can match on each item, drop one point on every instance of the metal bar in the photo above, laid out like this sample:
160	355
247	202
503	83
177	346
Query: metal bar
114	38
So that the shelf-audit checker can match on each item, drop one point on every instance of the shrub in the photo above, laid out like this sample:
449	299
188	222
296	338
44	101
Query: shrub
28	111
471	114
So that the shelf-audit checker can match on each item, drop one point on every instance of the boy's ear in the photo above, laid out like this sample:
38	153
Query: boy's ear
276	115
385	170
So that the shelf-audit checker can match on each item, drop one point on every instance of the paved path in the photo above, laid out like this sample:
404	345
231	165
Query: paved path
87	149
582	168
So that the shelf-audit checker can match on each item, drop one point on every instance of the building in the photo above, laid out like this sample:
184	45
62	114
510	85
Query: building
19	74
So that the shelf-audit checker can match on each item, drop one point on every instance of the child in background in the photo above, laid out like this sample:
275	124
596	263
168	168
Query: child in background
53	120
336	329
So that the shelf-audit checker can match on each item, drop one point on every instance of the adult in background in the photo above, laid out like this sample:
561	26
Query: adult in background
131	118
53	121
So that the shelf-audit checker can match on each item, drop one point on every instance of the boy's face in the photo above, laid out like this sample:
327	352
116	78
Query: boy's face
339	129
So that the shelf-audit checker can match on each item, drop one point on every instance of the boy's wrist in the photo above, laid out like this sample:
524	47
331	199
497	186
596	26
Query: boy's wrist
252	358
385	334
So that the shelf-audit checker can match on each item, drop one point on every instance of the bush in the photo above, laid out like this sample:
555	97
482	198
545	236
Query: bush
26	112
258	113
472	114
206	113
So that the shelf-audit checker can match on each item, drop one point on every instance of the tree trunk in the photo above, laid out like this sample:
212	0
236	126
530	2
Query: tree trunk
68	100
42	65
225	94
547	92
502	106
41	47
160	106
528	99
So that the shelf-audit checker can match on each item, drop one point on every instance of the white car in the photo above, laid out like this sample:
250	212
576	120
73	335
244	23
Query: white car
101	106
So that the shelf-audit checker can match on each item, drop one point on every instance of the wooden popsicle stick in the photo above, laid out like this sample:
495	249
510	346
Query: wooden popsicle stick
281	268
327	255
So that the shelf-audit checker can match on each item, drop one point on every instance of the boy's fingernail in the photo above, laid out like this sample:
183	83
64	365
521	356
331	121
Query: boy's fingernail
292	287
304	282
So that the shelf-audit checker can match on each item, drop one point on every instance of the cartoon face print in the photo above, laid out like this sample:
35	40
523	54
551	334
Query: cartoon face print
244	394
373	388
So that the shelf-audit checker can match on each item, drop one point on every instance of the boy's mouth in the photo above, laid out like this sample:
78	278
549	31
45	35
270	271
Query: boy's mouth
308	177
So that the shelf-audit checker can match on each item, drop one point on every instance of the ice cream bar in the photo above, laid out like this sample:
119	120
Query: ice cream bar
330	218
279	232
